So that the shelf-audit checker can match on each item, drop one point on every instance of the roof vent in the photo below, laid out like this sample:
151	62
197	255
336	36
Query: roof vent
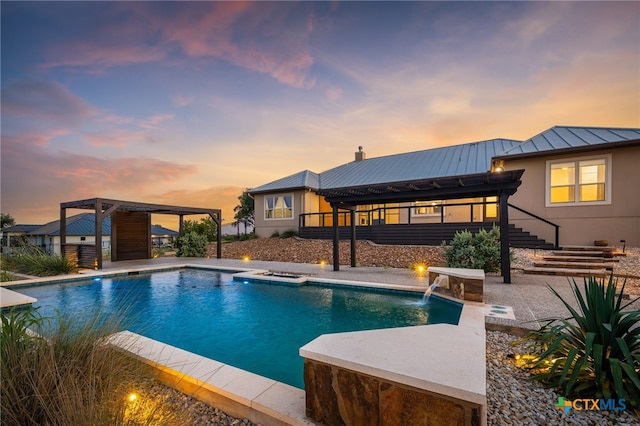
360	155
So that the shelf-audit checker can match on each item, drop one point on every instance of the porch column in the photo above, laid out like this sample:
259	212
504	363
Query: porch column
336	239
98	260
63	230
505	261
353	237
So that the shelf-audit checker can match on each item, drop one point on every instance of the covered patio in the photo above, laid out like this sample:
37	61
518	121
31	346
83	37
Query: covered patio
500	184
130	228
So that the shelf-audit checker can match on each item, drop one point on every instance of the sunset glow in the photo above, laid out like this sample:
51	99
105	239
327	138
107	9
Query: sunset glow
188	103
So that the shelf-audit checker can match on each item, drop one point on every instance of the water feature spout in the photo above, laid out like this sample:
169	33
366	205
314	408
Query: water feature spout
427	293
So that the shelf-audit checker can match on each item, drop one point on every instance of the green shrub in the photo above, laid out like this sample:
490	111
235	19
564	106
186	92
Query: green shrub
276	234
594	353
480	251
35	261
192	244
288	234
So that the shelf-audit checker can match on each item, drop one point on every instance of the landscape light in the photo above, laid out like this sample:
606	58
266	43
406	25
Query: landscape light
245	258
132	397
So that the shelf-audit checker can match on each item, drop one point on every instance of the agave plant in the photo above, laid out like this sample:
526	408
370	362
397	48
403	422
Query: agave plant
595	352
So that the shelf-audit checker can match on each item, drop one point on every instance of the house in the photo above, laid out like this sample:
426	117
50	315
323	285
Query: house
80	230
15	235
571	186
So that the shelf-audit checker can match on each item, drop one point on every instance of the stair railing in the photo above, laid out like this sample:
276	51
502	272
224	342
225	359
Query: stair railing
535	216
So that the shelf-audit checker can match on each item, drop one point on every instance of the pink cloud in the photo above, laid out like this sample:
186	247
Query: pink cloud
117	138
44	100
154	121
35	171
246	34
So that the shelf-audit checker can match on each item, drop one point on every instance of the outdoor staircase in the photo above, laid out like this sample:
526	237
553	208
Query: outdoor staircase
577	261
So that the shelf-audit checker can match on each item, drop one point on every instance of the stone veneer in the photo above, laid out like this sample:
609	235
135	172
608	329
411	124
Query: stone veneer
464	284
337	396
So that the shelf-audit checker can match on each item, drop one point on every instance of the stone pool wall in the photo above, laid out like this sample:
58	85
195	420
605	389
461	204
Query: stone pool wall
338	396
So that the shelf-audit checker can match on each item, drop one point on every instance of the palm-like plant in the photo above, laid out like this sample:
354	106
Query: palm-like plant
596	351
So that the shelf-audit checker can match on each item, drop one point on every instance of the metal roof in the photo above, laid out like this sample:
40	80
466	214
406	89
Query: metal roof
20	228
85	224
80	224
456	160
303	179
563	138
452	161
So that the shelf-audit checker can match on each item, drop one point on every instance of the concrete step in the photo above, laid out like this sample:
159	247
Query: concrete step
607	249
583	253
574	265
589	248
579	259
566	272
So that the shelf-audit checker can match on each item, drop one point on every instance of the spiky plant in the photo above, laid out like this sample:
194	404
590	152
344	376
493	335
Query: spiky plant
595	352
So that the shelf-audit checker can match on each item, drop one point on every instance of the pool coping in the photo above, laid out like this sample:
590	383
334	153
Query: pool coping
265	399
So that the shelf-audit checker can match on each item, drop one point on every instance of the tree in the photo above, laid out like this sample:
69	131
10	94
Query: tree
245	211
6	220
206	227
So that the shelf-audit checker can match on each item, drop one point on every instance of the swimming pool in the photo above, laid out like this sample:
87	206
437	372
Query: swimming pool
252	325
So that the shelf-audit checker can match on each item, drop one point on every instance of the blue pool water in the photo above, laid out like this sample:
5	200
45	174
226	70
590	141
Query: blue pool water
254	326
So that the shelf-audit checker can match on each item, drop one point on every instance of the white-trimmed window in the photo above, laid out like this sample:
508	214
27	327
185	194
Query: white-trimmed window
427	208
579	181
278	206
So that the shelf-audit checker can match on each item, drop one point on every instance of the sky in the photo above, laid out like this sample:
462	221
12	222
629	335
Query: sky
189	103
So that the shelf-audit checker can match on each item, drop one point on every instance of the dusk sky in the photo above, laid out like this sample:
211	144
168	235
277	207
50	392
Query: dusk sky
188	103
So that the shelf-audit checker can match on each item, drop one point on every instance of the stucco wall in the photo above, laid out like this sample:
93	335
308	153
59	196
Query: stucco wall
303	201
582	224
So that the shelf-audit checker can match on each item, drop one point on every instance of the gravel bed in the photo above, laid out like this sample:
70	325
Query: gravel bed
513	399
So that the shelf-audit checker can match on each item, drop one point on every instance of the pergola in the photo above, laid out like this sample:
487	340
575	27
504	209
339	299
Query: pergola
130	226
501	184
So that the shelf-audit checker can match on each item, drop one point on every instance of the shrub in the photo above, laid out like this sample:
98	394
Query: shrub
276	234
192	244
288	234
595	353
62	373
35	261
480	251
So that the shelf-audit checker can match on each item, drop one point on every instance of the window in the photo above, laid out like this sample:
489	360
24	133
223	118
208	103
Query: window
278	206
491	207
427	208
579	181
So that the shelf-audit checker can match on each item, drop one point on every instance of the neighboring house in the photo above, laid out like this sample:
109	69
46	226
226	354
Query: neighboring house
581	181
14	236
235	228
80	230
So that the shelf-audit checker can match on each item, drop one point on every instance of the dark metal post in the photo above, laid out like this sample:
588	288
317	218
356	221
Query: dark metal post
98	260
505	261
336	239
353	238
63	229
219	239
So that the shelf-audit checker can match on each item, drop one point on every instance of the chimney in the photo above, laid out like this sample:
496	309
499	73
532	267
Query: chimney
360	155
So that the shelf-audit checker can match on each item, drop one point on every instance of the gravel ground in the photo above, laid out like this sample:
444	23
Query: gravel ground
513	399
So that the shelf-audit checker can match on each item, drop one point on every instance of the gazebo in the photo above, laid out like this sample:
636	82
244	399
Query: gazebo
130	229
